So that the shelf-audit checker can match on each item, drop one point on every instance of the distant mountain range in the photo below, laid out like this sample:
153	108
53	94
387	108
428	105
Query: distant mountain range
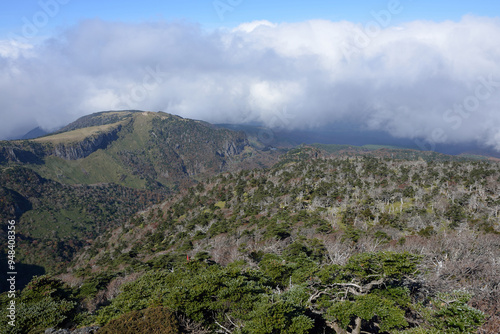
349	134
339	134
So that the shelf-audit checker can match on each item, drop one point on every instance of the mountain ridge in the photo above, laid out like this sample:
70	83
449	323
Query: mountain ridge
142	148
128	159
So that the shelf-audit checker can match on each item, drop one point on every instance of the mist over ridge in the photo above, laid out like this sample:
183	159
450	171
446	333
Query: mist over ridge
437	82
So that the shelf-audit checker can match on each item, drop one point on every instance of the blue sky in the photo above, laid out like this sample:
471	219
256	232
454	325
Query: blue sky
228	13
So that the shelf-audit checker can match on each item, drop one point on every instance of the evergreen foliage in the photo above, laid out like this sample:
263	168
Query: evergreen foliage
355	243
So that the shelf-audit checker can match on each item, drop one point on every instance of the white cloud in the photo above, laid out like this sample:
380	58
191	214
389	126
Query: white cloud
414	80
251	26
14	49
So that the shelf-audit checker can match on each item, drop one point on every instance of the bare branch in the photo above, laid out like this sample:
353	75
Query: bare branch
223	328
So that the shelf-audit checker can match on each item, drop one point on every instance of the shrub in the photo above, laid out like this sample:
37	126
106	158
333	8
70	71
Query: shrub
281	317
157	320
45	302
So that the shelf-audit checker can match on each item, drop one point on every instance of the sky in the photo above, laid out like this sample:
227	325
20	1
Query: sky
416	69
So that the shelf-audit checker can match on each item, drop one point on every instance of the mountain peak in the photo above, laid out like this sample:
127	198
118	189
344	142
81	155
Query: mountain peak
141	149
35	133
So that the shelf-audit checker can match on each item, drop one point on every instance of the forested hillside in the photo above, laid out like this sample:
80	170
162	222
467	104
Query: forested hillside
55	220
313	244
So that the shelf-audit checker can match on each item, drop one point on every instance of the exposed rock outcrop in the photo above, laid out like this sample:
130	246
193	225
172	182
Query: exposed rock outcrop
31	154
232	148
34	153
84	148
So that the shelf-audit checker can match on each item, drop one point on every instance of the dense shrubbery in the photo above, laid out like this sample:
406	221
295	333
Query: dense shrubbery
313	245
157	320
307	213
45	302
294	293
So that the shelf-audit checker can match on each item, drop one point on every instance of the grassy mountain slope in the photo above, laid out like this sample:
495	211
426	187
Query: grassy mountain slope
98	119
135	149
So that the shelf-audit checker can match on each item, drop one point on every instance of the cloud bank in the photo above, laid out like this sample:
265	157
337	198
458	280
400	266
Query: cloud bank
438	82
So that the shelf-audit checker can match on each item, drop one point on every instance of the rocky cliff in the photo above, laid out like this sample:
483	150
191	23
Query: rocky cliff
82	149
30	152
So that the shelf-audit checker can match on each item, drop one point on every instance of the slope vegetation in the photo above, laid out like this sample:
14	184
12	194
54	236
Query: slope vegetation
53	220
394	237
